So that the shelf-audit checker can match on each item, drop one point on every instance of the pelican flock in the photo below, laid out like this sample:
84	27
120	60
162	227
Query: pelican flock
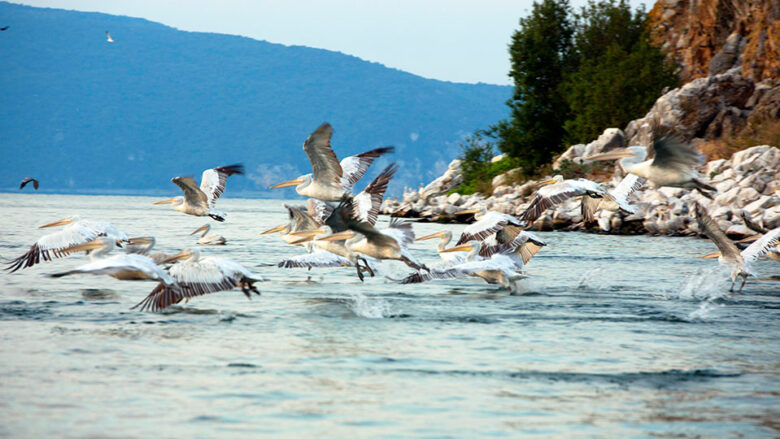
338	227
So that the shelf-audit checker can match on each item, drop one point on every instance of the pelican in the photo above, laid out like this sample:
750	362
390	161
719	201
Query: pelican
445	236
77	231
729	253
209	238
316	257
108	37
196	276
674	164
200	201
299	221
556	191
126	266
617	199
502	267
330	179
487	224
144	246
27	180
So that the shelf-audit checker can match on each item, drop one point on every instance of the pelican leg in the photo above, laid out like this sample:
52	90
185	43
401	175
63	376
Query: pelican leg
414	265
367	267
744	279
733	281
359	270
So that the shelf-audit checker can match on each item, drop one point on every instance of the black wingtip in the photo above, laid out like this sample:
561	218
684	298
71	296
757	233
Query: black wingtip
229	170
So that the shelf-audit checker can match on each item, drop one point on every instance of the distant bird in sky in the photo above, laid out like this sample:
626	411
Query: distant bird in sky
4	28
108	37
200	201
27	180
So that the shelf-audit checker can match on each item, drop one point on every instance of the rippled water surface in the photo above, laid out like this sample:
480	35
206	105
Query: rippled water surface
616	336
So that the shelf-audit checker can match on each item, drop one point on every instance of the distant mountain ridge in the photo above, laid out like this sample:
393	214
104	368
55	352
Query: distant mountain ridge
81	114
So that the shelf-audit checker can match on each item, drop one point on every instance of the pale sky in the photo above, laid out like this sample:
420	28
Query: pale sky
451	40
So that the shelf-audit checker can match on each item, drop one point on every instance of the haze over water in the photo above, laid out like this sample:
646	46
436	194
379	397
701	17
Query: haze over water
619	336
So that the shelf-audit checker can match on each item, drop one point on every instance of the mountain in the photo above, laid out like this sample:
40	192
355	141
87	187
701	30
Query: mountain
85	115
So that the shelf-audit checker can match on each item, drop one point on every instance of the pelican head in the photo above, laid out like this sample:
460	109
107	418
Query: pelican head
627	156
556	179
142	240
69	220
300	181
204	228
174	200
444	234
278	228
188	254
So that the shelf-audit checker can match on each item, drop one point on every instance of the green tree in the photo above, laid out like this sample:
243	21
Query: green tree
619	74
540	54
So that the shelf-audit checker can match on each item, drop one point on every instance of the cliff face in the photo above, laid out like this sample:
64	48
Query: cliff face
707	37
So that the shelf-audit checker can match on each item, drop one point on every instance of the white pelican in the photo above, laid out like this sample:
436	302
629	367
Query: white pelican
487	224
209	238
330	179
617	199
108	37
77	231
196	276
144	246
125	266
316	257
674	164
298	221
27	180
200	201
448	258
556	191
502	267
729	253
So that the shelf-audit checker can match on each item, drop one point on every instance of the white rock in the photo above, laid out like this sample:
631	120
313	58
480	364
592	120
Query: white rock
497	158
763	202
746	196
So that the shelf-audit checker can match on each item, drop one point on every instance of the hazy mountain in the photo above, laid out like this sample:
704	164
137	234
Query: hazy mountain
82	114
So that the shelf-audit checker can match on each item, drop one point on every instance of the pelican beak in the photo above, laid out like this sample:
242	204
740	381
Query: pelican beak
711	255
293	182
347	234
612	155
458	248
278	228
467	211
138	241
91	245
200	229
168	201
181	255
306	233
546	182
300	240
61	222
431	236
750	238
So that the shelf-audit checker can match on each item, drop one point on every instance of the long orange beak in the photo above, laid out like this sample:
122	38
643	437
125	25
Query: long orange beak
293	182
278	228
181	255
458	248
467	211
61	222
612	155
168	201
431	236
347	234
711	255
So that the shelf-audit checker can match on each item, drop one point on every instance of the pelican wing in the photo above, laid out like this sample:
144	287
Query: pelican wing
317	258
489	224
627	186
324	164
400	231
212	182
369	201
710	228
192	193
672	154
529	250
554	194
319	210
762	246
749	223
301	220
520	239
27	180
354	167
54	245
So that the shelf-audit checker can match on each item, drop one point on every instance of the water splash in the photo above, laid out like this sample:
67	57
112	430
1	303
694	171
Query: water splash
592	279
705	284
367	308
704	312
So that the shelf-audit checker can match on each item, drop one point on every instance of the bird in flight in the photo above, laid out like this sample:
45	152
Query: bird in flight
108	37
27	180
4	28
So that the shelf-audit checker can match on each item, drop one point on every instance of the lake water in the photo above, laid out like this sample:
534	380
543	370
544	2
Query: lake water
618	336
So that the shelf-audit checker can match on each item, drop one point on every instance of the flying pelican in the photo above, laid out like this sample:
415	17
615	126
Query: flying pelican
126	266
196	276
617	199
674	164
556	191
27	180
330	179
487	224
729	253
502	267
298	221
77	231
200	201
4	28
108	37
209	238
144	246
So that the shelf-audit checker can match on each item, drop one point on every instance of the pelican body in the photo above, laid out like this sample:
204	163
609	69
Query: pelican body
207	238
200	201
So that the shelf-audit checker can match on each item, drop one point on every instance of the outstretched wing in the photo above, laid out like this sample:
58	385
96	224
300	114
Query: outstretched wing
27	180
317	258
369	201
324	164
354	167
212	182
53	246
549	196
489	224
191	191
710	228
671	153
400	231
319	210
762	246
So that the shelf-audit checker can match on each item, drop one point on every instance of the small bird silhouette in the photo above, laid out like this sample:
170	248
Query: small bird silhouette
4	28
108	37
27	180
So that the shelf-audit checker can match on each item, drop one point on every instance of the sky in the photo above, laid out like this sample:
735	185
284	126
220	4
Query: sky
450	40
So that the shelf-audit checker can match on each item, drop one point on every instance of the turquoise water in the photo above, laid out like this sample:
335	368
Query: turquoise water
616	336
